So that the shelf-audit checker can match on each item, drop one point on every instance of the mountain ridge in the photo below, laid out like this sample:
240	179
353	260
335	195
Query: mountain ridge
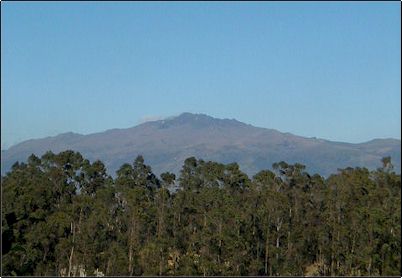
167	142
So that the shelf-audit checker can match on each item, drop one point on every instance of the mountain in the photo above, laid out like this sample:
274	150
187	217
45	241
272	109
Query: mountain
165	144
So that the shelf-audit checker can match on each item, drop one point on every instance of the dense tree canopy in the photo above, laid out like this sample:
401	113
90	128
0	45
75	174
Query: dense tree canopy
64	216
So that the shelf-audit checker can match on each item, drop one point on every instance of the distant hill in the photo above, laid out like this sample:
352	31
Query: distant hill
165	144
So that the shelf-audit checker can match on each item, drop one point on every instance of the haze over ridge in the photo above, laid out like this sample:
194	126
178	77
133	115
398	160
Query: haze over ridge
166	143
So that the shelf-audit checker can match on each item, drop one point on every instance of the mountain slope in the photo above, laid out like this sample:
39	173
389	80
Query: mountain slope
165	144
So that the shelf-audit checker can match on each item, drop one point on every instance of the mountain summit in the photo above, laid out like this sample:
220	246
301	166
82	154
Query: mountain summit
165	144
196	120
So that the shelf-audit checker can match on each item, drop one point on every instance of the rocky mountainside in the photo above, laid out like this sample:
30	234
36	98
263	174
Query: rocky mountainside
165	144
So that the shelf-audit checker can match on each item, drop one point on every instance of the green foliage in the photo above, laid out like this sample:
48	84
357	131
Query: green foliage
63	216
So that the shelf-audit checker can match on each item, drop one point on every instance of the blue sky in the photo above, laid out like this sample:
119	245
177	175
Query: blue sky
329	70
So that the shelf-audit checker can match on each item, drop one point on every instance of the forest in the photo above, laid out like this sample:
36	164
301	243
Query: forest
63	215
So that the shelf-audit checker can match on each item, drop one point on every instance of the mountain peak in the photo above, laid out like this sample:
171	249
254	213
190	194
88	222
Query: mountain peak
199	120
166	143
192	116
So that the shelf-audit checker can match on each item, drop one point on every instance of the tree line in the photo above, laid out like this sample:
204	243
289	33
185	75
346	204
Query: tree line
65	216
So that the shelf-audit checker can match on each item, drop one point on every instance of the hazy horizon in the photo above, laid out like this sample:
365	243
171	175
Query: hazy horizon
325	70
147	119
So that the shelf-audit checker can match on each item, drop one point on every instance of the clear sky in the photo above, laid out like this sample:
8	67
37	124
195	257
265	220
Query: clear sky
329	70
